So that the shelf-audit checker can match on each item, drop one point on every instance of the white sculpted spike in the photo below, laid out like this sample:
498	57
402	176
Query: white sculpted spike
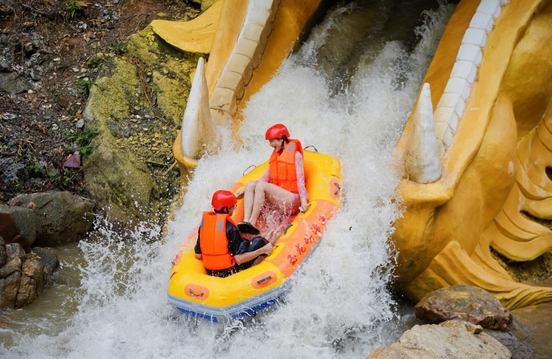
422	163
198	128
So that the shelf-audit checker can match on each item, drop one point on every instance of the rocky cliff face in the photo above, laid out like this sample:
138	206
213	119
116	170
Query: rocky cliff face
53	56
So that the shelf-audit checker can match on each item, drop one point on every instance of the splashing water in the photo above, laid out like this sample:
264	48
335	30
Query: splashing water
338	306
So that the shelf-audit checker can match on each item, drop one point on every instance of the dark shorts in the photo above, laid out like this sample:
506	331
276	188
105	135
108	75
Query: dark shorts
253	245
246	246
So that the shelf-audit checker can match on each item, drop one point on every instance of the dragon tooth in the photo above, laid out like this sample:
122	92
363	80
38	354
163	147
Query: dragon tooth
198	128
422	161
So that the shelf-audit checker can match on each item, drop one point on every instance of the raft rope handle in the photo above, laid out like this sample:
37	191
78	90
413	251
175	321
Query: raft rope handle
315	150
246	170
286	229
195	295
338	188
260	281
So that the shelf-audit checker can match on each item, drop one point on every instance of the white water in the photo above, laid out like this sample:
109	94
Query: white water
339	306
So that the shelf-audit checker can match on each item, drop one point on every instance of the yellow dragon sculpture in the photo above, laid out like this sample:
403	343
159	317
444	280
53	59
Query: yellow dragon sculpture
477	149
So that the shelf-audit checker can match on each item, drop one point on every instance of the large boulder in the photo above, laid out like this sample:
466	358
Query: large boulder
3	253
48	258
122	185
21	276
451	339
32	282
19	224
63	217
464	302
131	172
10	277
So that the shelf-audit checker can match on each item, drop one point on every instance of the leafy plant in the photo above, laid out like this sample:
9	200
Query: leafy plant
83	140
93	61
85	150
85	86
119	47
37	169
154	129
73	7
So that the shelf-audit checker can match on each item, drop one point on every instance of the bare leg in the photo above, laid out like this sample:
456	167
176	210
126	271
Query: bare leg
257	203
275	195
248	198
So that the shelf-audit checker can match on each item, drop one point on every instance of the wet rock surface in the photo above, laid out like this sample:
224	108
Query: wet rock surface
464	302
21	276
63	217
46	219
450	339
528	330
532	326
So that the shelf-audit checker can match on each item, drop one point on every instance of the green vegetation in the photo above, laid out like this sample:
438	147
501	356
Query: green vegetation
94	61
154	129
37	169
73	7
119	47
85	86
83	141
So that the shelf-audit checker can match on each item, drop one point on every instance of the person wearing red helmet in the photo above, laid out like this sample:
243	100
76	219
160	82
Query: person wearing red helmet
283	184
220	245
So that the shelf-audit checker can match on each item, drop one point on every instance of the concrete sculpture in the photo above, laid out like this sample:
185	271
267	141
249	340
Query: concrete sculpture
476	150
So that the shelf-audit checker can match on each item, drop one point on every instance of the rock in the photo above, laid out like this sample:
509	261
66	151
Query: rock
451	339
464	302
8	167
21	278
64	218
8	289
19	224
122	184
73	160
13	83
3	254
48	258
517	345
532	327
32	282
15	250
11	267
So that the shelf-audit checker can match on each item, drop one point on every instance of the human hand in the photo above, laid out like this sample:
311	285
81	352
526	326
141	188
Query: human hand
304	205
240	193
273	236
267	249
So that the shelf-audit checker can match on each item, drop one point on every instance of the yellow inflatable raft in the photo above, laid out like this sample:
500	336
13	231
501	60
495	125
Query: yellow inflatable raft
194	292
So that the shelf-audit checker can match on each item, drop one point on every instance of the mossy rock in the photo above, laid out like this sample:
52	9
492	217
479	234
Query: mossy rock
137	109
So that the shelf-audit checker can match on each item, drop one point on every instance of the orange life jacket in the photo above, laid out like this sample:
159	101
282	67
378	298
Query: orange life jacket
213	241
282	166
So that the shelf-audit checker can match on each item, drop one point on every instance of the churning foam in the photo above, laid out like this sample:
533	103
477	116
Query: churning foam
339	305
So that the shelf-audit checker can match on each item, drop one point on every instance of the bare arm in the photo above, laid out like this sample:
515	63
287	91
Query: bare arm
197	248
247	256
301	188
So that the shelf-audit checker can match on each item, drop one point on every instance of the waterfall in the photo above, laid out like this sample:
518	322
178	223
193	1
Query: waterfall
339	305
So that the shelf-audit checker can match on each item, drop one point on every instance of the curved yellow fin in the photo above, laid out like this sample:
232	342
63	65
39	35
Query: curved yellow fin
191	36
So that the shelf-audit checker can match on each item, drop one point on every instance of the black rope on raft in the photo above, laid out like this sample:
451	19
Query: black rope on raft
315	150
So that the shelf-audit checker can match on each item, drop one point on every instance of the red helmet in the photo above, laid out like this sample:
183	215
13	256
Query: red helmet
223	199
276	131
